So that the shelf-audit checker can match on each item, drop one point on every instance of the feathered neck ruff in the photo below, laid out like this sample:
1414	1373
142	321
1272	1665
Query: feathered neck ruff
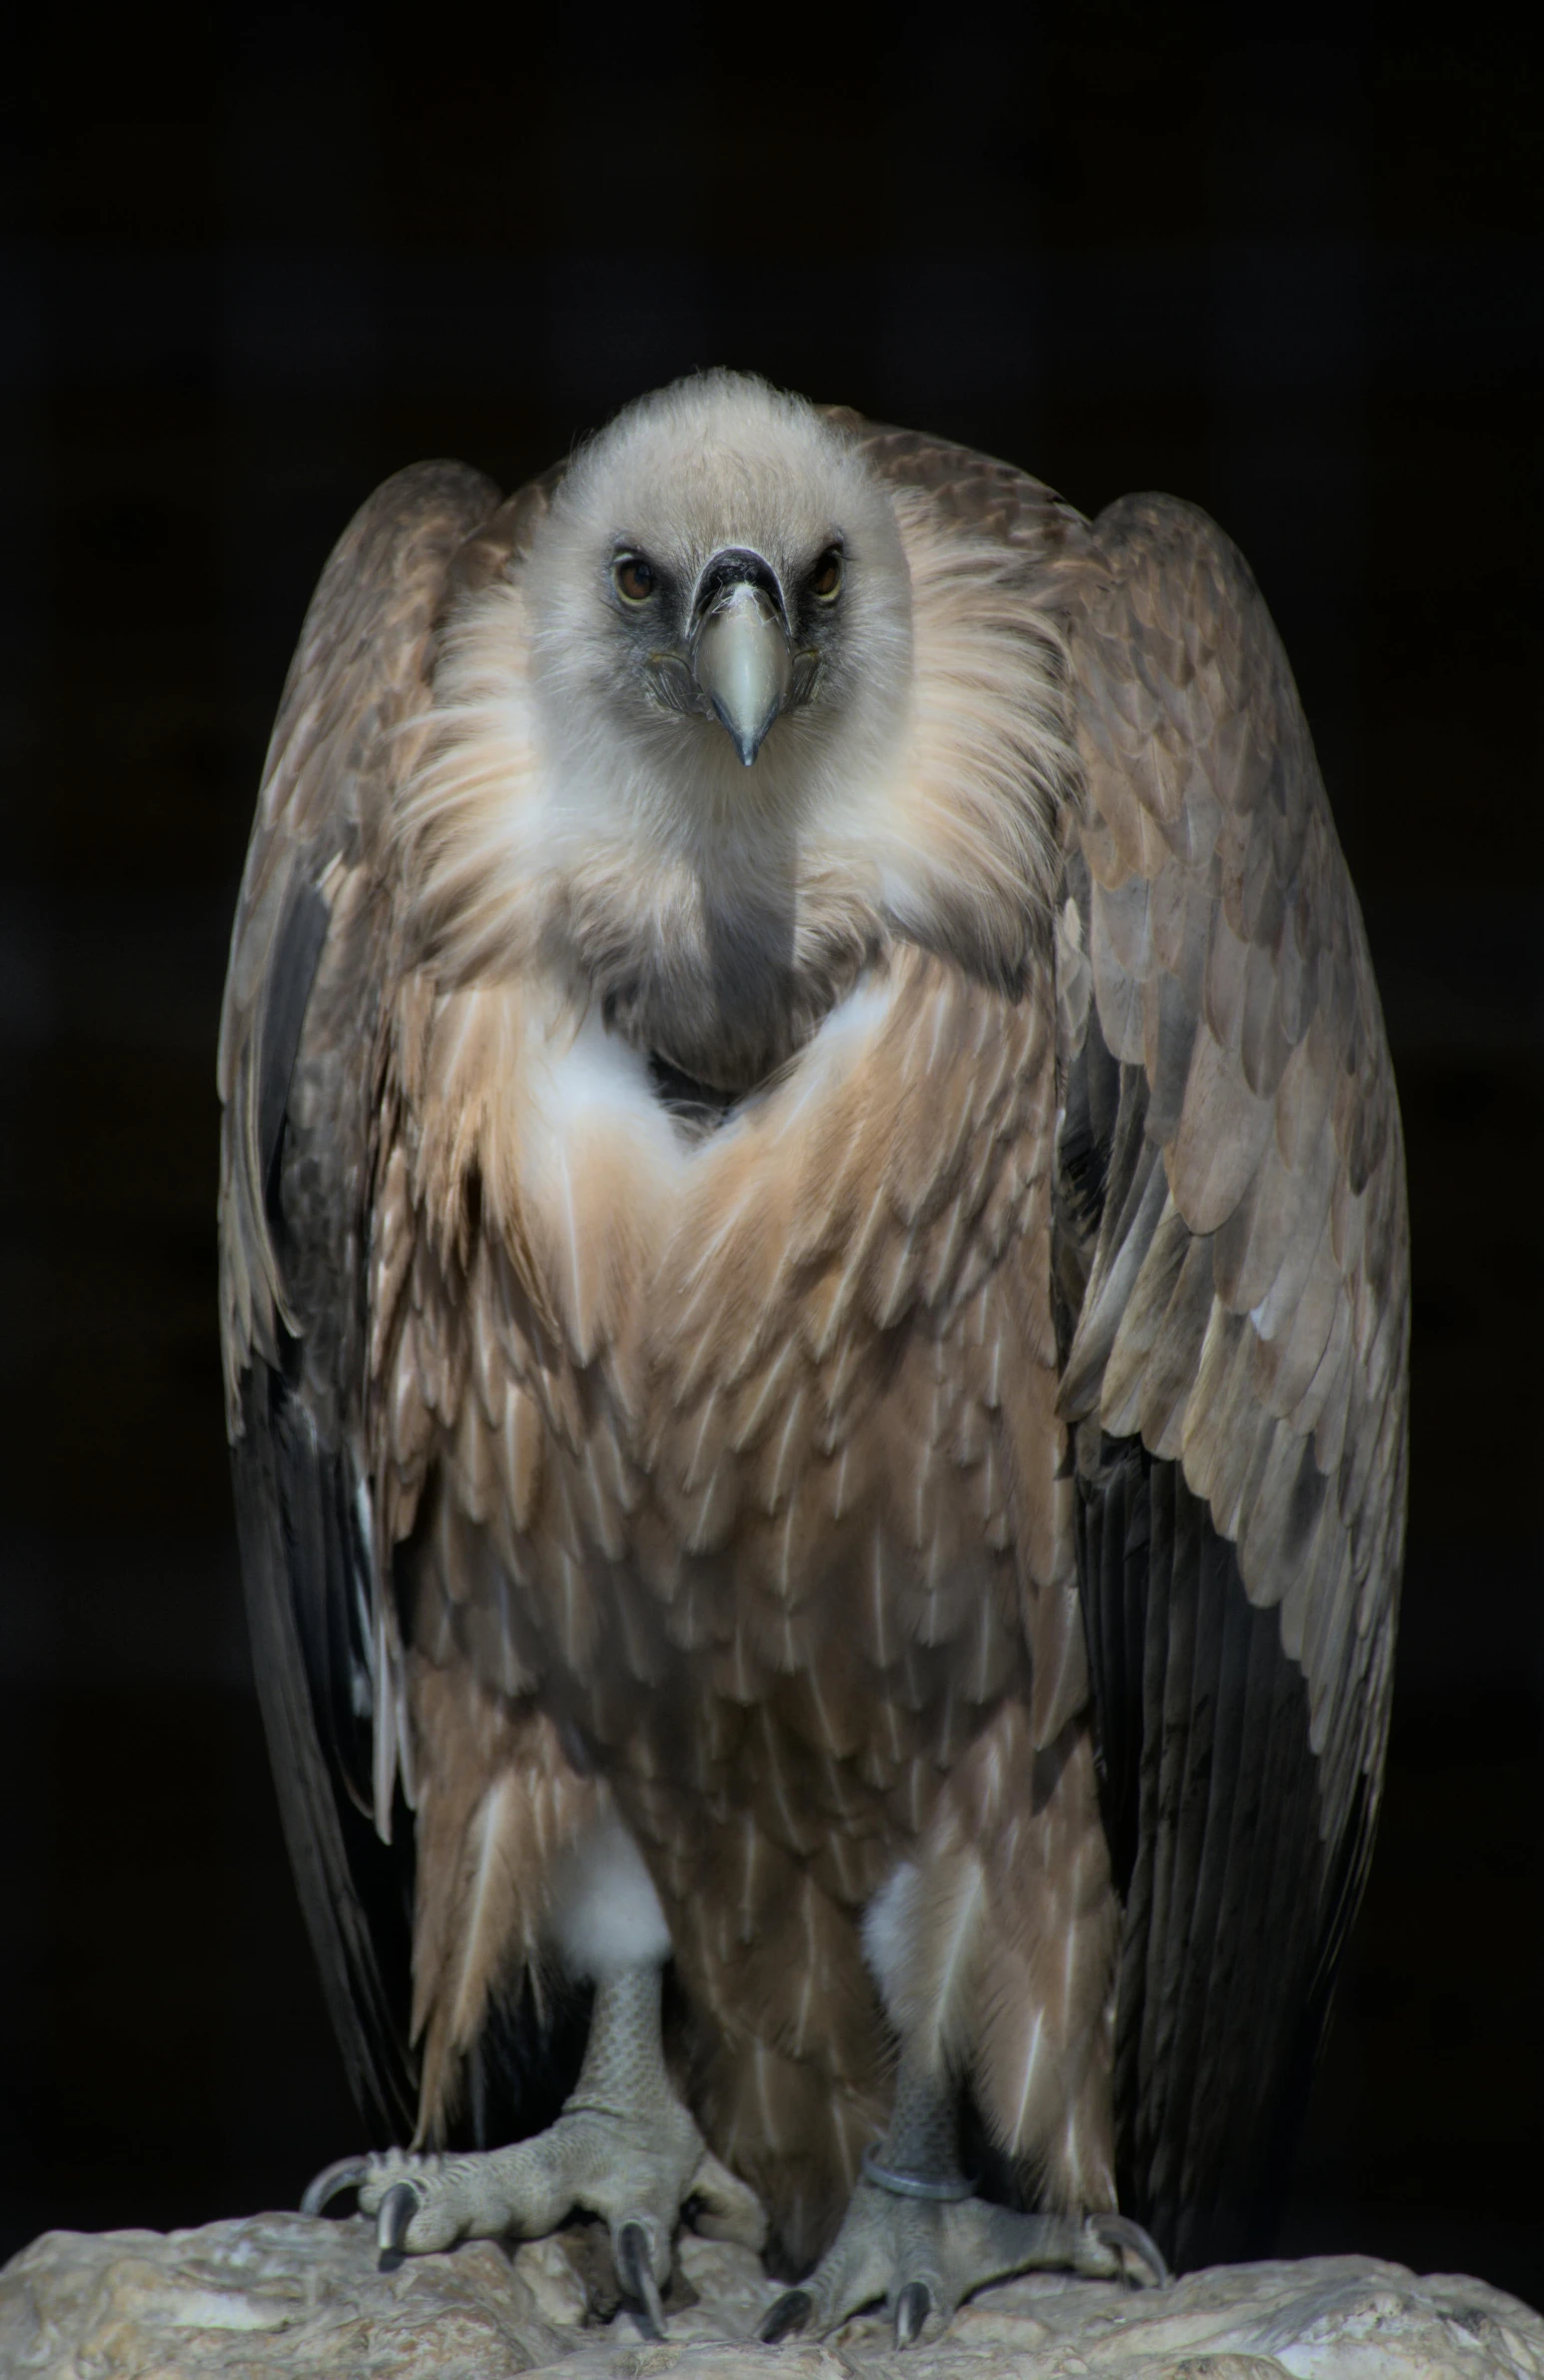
716	920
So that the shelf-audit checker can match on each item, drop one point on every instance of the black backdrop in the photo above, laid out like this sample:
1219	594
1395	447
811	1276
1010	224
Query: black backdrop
1283	262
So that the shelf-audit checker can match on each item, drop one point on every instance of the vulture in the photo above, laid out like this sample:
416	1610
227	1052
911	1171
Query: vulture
815	1302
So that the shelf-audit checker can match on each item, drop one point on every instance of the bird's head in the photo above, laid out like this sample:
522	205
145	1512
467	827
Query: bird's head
721	603
743	713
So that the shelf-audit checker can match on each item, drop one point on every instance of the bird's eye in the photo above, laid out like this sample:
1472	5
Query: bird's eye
633	577
826	577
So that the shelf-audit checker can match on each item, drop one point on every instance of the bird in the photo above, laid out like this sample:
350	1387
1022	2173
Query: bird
814	1288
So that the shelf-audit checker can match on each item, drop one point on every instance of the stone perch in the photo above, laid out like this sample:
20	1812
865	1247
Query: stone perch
291	2297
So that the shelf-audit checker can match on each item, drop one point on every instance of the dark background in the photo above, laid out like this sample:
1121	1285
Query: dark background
1286	265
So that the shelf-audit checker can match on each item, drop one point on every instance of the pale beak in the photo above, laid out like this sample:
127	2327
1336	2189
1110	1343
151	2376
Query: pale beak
742	662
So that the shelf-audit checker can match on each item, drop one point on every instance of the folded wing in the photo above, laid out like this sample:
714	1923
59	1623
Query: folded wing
1234	1277
310	957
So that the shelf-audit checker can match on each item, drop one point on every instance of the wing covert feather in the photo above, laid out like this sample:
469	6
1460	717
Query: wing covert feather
1270	1097
360	673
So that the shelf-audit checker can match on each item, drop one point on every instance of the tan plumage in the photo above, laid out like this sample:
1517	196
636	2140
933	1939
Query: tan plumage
774	1475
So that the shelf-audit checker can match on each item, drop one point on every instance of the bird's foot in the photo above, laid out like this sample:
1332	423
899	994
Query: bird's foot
924	2254
636	2170
624	2148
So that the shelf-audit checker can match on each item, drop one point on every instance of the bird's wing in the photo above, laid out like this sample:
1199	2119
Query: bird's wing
298	1078
1235	1271
1232	1292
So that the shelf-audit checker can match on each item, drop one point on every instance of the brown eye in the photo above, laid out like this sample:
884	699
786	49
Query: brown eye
826	577
634	577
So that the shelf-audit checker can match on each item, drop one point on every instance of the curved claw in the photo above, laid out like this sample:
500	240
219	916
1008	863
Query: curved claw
398	2209
635	2271
344	2173
912	2309
787	2313
1119	2231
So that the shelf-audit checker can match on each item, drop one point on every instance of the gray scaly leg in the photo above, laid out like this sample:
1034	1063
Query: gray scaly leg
916	2238
623	2148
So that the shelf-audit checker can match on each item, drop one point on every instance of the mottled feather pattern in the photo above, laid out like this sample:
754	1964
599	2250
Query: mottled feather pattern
1228	960
297	1055
1243	1318
831	1309
327	789
500	1808
1004	1937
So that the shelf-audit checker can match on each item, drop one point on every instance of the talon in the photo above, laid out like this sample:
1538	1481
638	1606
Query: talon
344	2173
398	2209
1119	2231
789	2312
635	2271
912	2309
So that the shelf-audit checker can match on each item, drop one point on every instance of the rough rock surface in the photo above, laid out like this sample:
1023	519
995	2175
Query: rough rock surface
286	2297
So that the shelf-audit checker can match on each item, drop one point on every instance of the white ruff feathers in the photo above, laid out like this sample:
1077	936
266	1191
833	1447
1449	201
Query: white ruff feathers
914	798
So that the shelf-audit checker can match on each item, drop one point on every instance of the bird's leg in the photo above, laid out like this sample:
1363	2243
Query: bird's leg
624	2148
917	2238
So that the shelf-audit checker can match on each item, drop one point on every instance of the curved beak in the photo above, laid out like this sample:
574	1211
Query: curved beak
741	660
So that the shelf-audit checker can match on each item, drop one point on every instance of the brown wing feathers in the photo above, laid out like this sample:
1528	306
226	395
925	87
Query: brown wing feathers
1231	1198
298	1082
